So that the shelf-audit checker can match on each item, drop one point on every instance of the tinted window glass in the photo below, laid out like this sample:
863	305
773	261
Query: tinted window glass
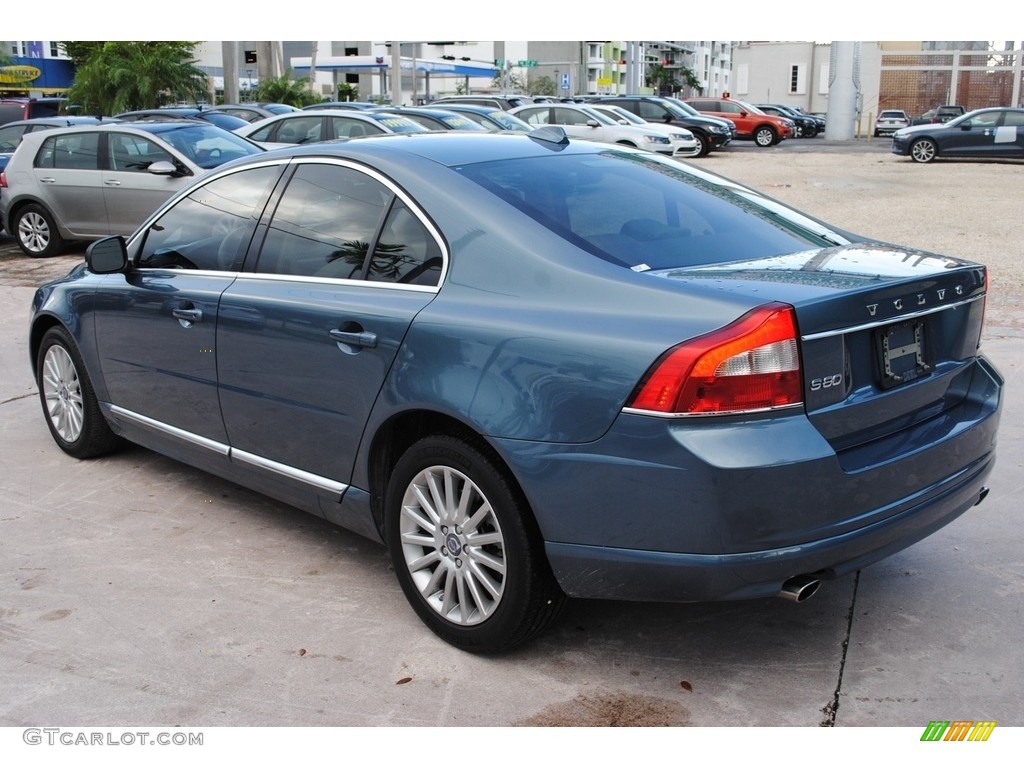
640	212
406	252
211	228
324	223
72	151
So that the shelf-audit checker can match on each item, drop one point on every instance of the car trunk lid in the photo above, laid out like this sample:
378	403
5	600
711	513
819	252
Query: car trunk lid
888	336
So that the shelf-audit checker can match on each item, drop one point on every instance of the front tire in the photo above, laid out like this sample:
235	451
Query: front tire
36	232
924	151
69	403
764	136
465	548
703	145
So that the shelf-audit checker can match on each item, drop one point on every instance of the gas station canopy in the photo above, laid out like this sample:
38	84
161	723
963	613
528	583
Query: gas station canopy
376	63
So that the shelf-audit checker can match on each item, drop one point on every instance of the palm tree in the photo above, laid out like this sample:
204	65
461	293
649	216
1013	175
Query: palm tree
285	90
116	76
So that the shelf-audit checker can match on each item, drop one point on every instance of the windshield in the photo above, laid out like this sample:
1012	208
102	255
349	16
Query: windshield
643	212
681	107
399	124
597	115
207	145
617	113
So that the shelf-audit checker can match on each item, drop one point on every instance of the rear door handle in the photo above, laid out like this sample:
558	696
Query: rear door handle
355	338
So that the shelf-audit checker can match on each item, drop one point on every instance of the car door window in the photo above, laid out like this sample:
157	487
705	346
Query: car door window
534	116
652	112
324	223
134	153
1013	118
565	116
210	228
345	128
71	151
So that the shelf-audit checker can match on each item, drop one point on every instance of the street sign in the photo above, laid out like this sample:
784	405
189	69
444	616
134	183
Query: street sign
565	81
528	63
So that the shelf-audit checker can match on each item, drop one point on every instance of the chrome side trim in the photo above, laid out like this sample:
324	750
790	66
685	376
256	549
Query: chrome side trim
324	483
189	437
889	320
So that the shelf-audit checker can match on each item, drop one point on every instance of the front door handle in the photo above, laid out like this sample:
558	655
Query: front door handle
186	317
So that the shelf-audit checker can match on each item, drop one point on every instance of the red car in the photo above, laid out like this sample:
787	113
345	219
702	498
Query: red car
751	123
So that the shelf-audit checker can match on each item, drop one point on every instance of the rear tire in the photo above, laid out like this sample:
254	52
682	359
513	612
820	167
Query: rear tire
36	232
465	548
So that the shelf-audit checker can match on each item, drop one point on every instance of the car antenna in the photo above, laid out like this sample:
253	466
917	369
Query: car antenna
550	135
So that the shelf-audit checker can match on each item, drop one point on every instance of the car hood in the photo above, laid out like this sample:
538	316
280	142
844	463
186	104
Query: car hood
910	130
847	285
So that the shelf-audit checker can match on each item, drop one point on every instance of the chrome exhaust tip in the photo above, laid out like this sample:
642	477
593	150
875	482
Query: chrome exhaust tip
799	588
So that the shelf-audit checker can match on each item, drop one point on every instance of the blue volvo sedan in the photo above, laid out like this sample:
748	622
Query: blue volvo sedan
535	369
982	134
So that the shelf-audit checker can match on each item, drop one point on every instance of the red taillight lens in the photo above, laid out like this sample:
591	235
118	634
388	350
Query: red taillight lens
3	180
751	364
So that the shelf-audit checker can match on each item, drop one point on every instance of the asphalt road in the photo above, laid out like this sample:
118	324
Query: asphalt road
139	590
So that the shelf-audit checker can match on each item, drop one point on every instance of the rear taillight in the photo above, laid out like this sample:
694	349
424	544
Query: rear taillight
3	180
751	364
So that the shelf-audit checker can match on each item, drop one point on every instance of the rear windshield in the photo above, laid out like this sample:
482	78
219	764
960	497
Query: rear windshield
644	213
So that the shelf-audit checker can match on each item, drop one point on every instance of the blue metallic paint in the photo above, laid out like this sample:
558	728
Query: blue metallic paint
534	345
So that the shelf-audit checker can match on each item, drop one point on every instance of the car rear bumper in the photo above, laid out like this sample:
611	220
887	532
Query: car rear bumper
693	510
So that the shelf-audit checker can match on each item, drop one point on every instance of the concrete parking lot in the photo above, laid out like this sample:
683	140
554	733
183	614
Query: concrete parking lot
139	590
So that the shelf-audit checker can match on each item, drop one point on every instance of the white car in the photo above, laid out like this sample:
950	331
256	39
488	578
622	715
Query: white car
684	143
310	126
889	121
582	121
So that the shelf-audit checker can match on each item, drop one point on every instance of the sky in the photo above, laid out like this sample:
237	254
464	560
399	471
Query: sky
823	21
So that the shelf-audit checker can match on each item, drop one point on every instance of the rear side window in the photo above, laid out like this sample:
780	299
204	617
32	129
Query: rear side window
337	222
324	223
75	151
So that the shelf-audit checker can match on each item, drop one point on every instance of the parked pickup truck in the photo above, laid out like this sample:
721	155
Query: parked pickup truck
942	114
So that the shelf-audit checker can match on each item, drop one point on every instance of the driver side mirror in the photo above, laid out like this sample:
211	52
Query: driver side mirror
106	256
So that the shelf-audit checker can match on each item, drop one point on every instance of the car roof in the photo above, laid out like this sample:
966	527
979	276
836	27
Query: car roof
447	148
62	121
